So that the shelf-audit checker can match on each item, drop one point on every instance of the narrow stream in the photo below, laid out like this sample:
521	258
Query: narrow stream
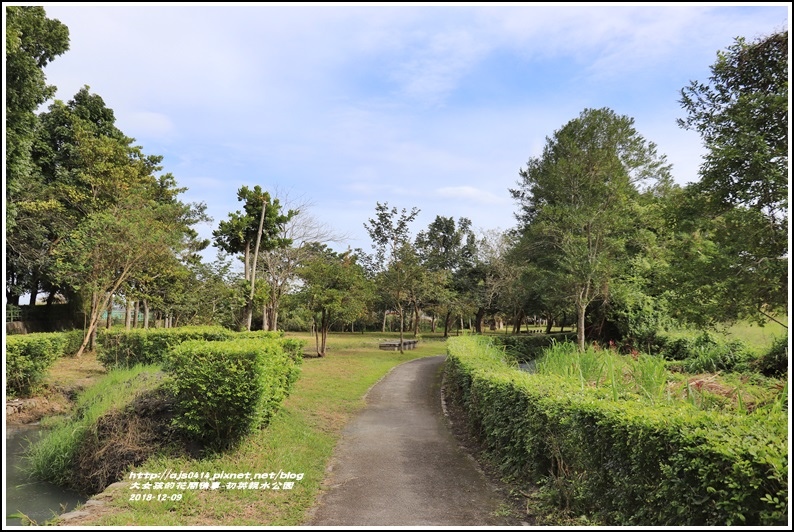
39	501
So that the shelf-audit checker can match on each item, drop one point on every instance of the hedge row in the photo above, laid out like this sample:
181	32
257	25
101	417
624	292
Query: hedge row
121	348
227	389
623	462
29	356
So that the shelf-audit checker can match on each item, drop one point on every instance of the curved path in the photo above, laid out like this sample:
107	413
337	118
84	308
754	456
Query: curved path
398	463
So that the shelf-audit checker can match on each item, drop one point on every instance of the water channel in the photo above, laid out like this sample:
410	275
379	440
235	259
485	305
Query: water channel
40	501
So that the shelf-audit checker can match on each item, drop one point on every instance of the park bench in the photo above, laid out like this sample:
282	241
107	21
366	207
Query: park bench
394	345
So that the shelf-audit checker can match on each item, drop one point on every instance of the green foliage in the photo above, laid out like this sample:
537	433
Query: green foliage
733	258
334	288
624	462
28	357
225	390
732	356
706	353
122	348
524	348
52	458
579	204
32	42
774	362
74	339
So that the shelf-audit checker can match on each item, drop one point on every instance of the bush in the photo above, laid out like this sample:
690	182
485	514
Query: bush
731	356
225	390
525	348
28	357
706	354
623	462
74	339
119	348
774	362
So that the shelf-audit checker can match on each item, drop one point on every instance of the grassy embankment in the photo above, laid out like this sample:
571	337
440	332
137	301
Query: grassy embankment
300	439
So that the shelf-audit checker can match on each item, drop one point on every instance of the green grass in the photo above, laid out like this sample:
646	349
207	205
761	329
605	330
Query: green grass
300	439
647	378
50	458
757	337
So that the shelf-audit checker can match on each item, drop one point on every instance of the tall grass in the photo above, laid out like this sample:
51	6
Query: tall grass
50	458
650	377
588	367
646	376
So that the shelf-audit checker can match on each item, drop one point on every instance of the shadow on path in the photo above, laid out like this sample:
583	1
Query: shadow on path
398	464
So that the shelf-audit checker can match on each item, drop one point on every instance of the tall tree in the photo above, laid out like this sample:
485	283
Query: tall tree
258	228
576	199
109	247
83	164
334	288
394	261
278	266
446	250
32	42
741	199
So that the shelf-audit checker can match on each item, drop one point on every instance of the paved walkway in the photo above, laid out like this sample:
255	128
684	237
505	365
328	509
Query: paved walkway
398	464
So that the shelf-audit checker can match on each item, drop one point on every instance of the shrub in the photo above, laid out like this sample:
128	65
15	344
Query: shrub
716	357
706	354
525	348
774	362
625	462
28	357
124	349
225	390
74	339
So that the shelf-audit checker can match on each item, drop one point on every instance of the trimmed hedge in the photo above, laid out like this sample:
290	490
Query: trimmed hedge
29	356
225	390
623	462
121	348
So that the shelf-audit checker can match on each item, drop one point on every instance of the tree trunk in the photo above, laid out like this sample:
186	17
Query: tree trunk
402	325
580	309
478	320
109	323
145	314
34	291
324	335
446	323
250	305
128	315
385	313
136	311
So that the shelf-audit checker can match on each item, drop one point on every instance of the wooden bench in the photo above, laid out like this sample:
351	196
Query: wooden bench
394	345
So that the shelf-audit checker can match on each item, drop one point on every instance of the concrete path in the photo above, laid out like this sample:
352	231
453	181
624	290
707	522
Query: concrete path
398	464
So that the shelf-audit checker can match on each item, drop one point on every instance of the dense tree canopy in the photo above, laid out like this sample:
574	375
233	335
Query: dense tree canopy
576	203
735	219
32	42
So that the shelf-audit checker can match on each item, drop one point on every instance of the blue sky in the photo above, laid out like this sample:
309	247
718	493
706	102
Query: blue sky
337	107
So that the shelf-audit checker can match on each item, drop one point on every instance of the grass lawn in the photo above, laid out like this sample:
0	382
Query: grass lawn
300	439
755	336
